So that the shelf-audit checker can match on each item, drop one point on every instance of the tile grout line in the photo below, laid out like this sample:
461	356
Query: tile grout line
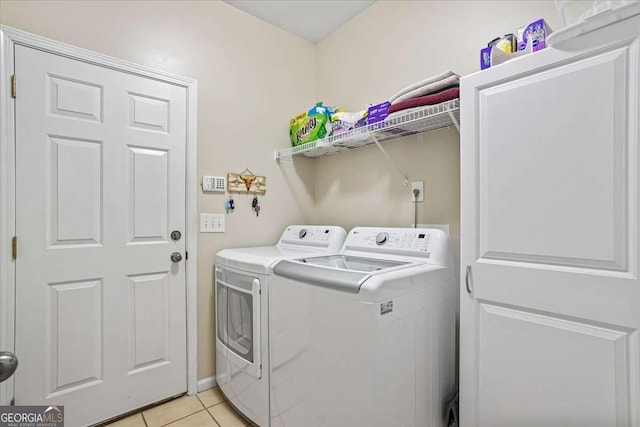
232	409
211	406
212	417
204	408
216	404
182	418
201	402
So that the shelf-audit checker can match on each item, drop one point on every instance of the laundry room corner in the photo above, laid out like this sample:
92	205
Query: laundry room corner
247	89
372	193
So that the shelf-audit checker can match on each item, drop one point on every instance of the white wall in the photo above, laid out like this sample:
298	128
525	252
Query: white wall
251	77
385	48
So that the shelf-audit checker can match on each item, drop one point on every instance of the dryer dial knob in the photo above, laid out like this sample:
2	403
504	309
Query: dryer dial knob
302	233
382	238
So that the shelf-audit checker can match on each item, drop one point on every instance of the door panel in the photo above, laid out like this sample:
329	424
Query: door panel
146	112
149	194
592	361
74	98
149	321
541	191
75	215
100	158
75	336
549	154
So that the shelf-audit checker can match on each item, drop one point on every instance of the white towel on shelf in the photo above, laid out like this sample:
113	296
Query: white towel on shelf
424	82
427	88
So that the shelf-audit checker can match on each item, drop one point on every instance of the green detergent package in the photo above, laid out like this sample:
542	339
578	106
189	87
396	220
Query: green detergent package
312	125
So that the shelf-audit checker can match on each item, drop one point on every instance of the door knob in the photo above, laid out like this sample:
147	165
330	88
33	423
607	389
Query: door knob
8	364
176	257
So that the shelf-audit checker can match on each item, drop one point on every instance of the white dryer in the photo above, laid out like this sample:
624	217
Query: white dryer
242	289
366	337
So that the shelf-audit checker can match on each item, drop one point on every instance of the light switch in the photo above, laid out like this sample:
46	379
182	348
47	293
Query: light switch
212	223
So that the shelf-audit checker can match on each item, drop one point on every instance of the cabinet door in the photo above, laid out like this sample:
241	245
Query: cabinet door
550	308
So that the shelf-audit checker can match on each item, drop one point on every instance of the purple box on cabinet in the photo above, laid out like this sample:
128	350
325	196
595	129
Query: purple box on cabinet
485	57
538	31
378	112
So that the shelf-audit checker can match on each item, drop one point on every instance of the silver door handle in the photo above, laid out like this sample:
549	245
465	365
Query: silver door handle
8	364
176	257
466	278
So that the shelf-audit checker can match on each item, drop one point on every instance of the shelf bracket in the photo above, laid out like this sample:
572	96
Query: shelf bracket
386	155
276	155
454	120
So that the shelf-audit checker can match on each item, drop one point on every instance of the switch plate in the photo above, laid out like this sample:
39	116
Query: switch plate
420	186
212	223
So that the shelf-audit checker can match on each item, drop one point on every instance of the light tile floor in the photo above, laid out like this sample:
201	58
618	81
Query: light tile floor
207	409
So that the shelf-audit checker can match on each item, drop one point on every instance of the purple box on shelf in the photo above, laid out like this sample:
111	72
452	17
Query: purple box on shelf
378	112
538	31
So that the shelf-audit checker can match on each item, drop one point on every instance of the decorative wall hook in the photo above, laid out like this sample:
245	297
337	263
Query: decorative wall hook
246	182
248	177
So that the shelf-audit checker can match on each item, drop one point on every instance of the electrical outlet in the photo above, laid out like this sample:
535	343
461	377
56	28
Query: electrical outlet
212	223
419	185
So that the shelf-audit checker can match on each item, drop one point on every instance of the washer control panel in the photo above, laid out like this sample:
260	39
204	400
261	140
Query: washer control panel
425	243
402	239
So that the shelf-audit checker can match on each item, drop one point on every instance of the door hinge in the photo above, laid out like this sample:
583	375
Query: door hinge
14	248
186	255
13	86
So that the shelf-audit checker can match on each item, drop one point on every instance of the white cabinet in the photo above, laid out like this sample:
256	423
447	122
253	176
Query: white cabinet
550	307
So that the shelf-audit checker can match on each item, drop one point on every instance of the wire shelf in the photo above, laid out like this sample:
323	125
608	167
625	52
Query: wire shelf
415	121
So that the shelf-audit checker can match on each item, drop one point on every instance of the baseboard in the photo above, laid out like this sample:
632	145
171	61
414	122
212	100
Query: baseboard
207	383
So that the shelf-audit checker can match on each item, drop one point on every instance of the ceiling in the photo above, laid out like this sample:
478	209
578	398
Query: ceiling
309	19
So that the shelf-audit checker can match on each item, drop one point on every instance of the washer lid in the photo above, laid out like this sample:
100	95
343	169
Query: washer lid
353	263
341	272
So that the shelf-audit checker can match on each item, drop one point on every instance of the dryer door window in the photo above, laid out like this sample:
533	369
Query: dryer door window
238	319
239	323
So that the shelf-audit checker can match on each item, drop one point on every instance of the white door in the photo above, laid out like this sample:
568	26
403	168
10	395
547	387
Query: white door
550	193
100	306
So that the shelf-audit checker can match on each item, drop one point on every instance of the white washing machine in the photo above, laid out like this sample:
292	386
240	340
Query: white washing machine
366	337
242	289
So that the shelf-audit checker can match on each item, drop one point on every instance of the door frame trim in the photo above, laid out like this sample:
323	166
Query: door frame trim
9	38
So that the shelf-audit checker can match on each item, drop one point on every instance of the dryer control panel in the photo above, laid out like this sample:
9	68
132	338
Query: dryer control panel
330	237
423	243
